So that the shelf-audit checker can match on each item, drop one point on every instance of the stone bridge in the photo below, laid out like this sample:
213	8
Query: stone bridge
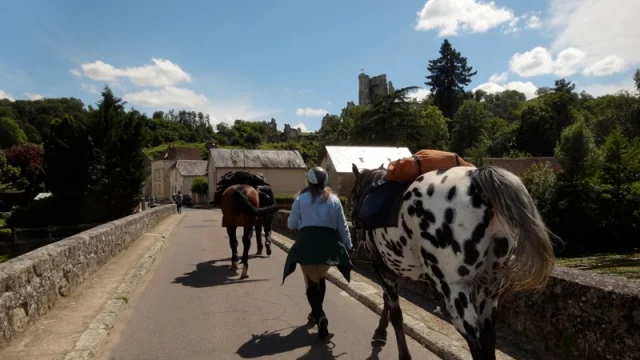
156	285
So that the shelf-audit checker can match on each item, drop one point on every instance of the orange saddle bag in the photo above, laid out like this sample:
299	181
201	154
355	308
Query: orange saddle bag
409	168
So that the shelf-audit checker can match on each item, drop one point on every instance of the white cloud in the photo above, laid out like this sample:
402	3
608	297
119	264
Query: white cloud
568	61
76	72
4	95
34	96
600	28
159	74
310	112
527	88
607	66
607	89
300	126
538	61
419	94
498	78
534	22
169	96
449	16
534	62
90	88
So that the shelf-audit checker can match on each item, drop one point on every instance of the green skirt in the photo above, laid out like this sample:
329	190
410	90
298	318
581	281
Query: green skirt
318	245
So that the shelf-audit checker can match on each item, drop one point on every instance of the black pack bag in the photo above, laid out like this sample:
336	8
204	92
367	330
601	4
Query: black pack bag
236	178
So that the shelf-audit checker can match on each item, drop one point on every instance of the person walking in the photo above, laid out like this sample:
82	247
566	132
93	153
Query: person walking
179	202
324	241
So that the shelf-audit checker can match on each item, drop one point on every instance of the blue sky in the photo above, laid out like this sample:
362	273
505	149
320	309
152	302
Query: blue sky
295	60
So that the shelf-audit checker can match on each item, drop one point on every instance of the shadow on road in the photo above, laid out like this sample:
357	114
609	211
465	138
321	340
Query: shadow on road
208	274
271	343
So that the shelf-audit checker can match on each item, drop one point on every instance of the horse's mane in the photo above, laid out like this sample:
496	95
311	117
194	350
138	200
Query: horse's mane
368	177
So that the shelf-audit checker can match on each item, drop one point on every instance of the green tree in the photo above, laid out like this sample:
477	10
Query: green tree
449	74
636	79
10	133
577	153
200	185
469	124
117	171
432	130
540	181
68	156
7	172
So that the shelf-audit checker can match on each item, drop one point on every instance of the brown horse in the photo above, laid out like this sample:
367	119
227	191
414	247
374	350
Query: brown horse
240	207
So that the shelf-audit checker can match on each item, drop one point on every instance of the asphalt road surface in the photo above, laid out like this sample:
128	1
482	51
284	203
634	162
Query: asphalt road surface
191	307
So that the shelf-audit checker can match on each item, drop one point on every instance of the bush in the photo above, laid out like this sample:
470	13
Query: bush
200	185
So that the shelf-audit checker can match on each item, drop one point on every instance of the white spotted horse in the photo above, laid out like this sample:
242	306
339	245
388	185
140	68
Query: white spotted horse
244	205
472	233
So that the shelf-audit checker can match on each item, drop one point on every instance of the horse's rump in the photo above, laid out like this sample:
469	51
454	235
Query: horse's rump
232	212
237	178
422	162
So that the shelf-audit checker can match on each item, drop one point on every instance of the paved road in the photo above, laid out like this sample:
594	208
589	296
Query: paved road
192	307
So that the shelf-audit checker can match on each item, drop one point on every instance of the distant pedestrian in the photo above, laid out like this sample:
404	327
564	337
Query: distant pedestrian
324	240
179	202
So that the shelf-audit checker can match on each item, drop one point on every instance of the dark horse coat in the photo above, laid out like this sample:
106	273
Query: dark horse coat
240	205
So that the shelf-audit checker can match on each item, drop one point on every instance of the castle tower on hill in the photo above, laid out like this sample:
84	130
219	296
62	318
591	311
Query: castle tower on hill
370	88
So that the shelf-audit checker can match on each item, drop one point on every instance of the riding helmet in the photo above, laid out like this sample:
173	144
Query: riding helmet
317	176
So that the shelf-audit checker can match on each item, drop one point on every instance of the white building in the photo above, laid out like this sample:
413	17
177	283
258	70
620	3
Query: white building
338	162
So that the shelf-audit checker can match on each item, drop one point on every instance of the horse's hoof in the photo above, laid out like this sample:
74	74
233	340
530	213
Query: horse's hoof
245	272
233	267
268	250
379	337
259	252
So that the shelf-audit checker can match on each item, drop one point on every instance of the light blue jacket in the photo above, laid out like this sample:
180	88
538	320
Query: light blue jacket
329	214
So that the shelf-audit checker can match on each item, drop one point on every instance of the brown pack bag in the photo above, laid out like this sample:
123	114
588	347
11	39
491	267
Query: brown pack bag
409	168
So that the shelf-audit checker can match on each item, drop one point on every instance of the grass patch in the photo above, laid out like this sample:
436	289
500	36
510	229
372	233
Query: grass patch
625	265
2	222
124	298
3	258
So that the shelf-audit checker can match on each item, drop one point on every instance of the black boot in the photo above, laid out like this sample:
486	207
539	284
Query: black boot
312	292
323	322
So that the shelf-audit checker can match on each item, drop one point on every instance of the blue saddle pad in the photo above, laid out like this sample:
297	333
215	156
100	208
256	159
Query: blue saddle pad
380	204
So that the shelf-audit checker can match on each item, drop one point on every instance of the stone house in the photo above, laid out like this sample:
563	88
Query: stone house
338	160
182	174
160	166
285	170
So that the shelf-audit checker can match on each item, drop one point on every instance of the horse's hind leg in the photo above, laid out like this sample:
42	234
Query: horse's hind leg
246	242
472	313
233	243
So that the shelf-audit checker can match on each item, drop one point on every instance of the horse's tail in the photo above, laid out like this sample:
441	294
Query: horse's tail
533	259
247	206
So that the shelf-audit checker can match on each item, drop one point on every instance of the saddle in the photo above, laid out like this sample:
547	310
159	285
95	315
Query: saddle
379	205
237	178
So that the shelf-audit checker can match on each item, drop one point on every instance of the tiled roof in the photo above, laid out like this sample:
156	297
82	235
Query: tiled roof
270	159
192	167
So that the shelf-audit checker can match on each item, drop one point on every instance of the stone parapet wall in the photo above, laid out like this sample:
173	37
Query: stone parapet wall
578	315
32	283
